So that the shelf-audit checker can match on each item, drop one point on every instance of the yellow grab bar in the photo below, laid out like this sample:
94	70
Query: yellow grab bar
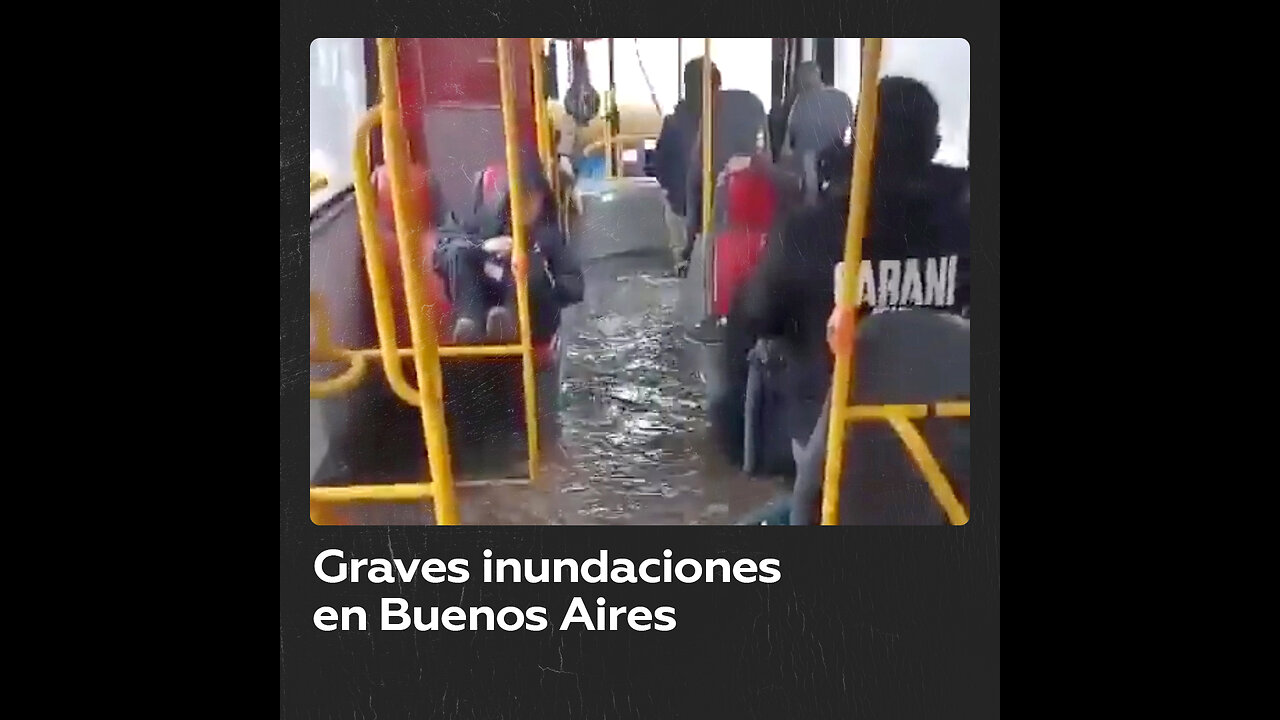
843	330
375	264
326	351
425	351
372	493
708	107
540	107
919	451
519	250
456	351
844	314
610	168
318	181
342	383
422	330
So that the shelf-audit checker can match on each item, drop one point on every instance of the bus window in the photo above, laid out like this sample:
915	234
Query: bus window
744	63
848	70
338	99
943	65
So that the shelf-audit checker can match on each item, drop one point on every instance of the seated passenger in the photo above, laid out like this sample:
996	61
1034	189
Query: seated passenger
916	254
475	262
820	118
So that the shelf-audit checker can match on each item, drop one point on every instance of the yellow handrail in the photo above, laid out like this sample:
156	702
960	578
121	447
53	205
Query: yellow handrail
519	250
326	351
422	330
425	350
383	493
708	107
844	312
843	327
611	171
375	264
540	108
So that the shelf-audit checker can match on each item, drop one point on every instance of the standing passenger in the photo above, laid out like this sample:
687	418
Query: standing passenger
916	254
676	145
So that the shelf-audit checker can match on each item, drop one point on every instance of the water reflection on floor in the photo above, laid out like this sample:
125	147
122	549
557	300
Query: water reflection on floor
634	446
634	428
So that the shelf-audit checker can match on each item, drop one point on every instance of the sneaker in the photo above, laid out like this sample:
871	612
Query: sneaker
466	331
501	325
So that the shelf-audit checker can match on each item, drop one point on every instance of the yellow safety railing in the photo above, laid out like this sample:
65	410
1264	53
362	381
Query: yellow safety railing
546	134
540	109
425	350
325	352
611	158
708	107
708	188
843	329
318	181
422	330
519	249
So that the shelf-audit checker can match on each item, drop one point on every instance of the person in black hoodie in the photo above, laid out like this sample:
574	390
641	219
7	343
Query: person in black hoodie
474	259
915	255
675	146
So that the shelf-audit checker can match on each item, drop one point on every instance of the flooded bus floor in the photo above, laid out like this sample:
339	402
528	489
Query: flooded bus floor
633	446
634	429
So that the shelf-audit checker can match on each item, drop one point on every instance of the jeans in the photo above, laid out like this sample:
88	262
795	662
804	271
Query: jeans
473	292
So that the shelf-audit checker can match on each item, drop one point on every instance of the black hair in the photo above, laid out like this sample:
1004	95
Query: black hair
693	84
493	208
907	135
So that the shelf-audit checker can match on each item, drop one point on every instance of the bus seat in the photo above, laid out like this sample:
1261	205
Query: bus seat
425	186
462	141
904	357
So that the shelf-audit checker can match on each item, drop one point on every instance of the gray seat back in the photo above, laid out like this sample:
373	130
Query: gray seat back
904	357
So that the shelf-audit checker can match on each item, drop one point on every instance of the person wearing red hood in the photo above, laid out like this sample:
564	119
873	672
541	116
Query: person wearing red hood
474	259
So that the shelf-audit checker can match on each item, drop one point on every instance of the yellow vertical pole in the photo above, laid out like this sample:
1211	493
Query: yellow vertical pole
540	104
422	330
519	250
708	177
845	312
610	170
708	107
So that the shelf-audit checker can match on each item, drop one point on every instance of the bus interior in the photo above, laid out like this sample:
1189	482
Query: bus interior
408	428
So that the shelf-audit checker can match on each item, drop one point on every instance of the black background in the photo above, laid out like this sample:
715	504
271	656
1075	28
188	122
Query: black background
865	623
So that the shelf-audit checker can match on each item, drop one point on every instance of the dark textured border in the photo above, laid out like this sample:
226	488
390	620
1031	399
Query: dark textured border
867	622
